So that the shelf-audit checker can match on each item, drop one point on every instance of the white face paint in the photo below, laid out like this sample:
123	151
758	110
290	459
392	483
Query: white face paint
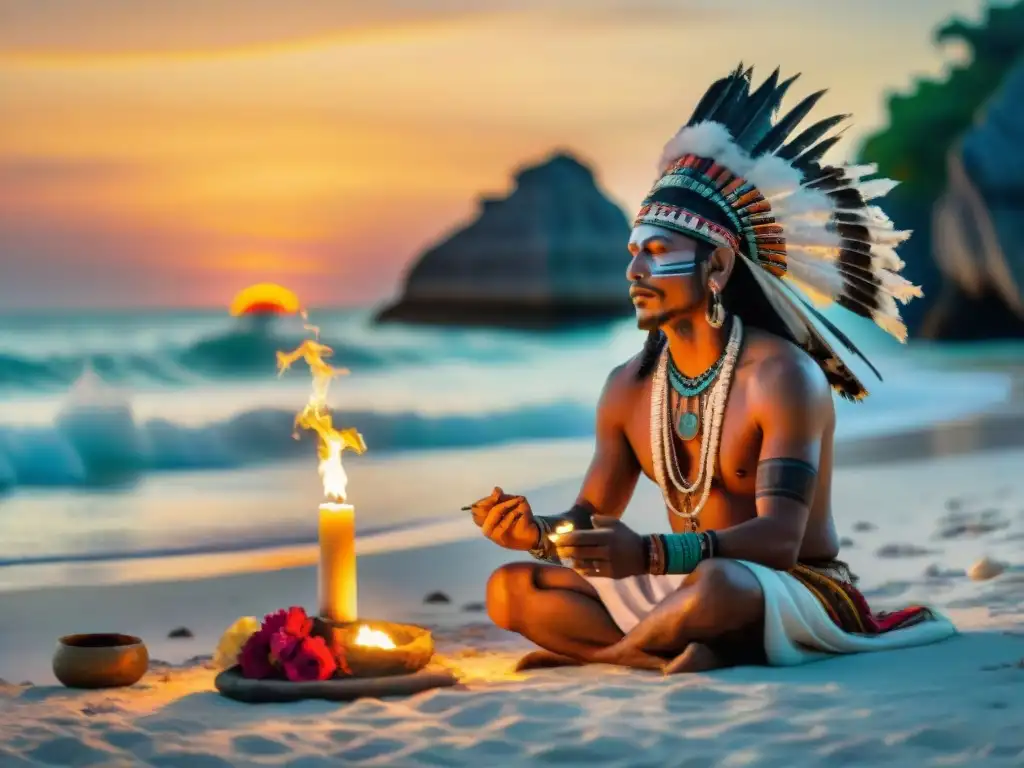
679	262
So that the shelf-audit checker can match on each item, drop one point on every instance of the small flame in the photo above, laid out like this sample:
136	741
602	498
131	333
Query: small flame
374	638
316	416
564	527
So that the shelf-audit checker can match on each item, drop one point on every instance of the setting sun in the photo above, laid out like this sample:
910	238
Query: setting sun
265	298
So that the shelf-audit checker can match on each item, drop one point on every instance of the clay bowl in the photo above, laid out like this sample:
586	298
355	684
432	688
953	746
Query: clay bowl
100	661
415	647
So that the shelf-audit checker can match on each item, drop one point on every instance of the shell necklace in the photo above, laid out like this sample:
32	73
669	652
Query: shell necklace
663	449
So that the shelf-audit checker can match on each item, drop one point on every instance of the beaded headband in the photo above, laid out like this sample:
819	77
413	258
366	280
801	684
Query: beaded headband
733	177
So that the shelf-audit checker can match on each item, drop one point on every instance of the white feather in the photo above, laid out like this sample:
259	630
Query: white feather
705	140
860	171
773	176
875	188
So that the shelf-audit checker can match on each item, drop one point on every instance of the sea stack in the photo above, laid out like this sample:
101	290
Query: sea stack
552	253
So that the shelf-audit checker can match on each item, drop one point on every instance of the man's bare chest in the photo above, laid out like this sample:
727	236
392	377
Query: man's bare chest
739	446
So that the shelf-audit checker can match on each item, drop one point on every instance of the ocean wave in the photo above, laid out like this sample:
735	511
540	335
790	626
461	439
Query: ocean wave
237	354
102	444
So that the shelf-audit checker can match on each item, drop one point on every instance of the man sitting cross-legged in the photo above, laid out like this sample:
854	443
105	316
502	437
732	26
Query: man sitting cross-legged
728	408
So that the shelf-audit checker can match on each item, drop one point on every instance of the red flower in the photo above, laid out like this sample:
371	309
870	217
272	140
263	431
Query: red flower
277	644
311	661
273	622
283	645
297	623
254	658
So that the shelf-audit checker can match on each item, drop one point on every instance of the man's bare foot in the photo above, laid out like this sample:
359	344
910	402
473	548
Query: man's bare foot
625	654
545	660
696	658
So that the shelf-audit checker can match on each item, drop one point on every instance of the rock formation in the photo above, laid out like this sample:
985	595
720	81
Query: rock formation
978	226
551	253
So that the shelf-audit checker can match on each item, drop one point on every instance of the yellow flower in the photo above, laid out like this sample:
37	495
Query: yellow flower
233	639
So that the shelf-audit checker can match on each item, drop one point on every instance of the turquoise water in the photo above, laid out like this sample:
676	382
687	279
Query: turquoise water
149	434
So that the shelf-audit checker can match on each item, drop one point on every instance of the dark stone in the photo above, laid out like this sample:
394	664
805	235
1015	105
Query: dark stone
232	685
180	633
935	571
903	550
550	254
474	608
863	527
846	542
437	598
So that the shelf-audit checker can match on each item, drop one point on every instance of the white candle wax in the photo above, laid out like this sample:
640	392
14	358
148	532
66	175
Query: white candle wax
338	562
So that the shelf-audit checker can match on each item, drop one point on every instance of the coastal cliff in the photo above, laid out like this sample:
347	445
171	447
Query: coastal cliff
551	253
978	226
950	142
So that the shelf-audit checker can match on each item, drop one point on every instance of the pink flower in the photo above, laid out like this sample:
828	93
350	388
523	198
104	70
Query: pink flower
283	645
254	658
312	661
277	643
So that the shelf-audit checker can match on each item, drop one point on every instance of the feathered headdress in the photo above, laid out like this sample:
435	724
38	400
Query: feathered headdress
733	177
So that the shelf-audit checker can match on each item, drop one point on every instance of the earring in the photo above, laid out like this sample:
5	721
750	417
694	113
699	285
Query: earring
716	310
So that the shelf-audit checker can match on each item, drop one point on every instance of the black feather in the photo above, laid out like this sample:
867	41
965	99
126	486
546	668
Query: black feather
840	336
735	99
760	109
808	137
780	132
712	100
709	101
848	198
810	159
827	177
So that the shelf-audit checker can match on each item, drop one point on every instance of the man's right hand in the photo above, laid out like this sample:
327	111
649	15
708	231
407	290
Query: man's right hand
507	520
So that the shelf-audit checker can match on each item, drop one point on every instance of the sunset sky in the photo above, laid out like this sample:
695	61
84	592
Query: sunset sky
169	152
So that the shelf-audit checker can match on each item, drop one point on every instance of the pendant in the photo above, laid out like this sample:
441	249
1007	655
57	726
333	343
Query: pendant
688	425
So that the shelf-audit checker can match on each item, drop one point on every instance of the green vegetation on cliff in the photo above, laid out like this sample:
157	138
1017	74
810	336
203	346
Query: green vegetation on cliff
925	123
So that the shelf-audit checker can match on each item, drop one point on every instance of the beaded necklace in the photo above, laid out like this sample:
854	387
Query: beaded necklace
663	449
688	423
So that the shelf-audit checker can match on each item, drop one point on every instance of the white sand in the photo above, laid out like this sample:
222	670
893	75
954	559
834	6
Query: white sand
960	702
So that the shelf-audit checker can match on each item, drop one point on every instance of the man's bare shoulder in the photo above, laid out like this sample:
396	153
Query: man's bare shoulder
781	376
623	386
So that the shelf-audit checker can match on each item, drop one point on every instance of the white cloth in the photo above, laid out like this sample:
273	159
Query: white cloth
797	628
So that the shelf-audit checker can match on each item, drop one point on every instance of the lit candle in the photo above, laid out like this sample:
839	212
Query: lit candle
337	528
338	591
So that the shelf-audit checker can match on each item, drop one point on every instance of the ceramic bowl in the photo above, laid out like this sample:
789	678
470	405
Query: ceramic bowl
100	660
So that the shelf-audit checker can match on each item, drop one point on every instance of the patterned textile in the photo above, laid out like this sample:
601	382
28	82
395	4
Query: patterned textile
832	584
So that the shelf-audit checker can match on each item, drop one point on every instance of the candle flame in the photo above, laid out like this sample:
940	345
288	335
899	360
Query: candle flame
374	638
317	417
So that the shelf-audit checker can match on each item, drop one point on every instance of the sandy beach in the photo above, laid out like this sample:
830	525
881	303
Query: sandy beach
918	511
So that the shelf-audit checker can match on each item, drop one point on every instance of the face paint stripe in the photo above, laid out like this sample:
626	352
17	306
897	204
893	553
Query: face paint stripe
674	270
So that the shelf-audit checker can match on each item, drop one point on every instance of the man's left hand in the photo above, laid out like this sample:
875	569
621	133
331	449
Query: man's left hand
611	550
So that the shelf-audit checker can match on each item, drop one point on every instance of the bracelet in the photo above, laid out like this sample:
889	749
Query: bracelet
712	543
683	552
655	548
543	550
